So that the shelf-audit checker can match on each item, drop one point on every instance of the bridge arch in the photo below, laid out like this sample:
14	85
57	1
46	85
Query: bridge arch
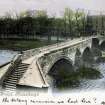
59	64
95	42
102	45
77	58
87	56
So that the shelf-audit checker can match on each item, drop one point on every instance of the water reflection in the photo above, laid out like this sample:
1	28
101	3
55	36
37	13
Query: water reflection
88	84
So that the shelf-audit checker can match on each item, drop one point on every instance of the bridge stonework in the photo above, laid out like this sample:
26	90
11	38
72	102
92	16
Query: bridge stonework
72	53
69	52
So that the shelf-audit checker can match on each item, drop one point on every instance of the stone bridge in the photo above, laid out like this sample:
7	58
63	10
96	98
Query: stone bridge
33	66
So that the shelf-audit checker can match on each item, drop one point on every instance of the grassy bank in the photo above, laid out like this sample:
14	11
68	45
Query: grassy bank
23	44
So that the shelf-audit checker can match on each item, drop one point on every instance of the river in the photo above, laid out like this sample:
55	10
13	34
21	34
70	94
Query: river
6	56
87	85
97	84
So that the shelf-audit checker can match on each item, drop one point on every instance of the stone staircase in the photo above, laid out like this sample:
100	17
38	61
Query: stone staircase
11	81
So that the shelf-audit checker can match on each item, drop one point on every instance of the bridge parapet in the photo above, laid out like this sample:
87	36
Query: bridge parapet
29	53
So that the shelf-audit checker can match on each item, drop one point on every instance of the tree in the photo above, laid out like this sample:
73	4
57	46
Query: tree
79	21
68	18
89	24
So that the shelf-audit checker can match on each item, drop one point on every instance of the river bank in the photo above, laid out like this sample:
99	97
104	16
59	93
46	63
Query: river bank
21	45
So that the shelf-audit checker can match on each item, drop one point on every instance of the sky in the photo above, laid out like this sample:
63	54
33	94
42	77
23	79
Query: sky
54	7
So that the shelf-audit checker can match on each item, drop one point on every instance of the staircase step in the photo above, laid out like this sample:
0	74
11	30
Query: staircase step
25	65
18	75
10	82
12	87
19	71
13	77
21	67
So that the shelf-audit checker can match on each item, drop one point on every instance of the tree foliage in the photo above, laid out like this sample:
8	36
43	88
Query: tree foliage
71	24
